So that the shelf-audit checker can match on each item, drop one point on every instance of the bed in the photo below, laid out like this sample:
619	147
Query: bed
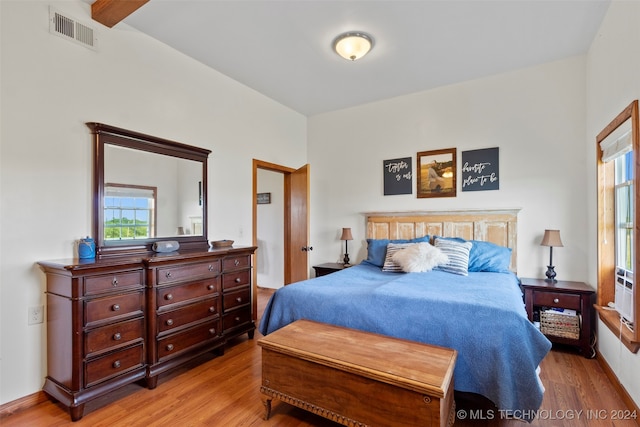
480	314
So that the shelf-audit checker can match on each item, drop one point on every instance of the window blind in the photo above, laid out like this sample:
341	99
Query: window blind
612	148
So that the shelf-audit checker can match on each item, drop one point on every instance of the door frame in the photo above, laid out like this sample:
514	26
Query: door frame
286	171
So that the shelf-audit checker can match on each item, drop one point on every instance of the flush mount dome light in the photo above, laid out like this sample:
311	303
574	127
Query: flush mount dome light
353	45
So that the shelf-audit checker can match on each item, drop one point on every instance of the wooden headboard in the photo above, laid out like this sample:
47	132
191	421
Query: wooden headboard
495	226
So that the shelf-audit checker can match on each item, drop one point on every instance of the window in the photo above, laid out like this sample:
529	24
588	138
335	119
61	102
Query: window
618	235
129	212
624	222
624	211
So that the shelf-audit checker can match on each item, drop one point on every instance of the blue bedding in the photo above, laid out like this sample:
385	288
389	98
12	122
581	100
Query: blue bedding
481	315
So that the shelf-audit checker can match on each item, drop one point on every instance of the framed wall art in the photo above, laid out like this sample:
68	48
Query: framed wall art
437	173
398	176
264	198
480	170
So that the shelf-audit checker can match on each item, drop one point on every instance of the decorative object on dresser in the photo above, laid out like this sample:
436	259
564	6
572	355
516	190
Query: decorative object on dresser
328	268
358	378
551	238
166	246
564	311
222	243
86	248
346	236
115	321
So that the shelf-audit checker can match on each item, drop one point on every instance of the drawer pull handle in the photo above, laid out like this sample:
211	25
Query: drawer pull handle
116	364
168	274
211	287
115	307
237	319
169	322
170	347
212	331
114	282
117	336
238	280
556	300
236	262
168	297
211	267
239	299
212	309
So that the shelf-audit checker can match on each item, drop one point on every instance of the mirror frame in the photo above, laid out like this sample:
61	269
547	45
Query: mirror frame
106	134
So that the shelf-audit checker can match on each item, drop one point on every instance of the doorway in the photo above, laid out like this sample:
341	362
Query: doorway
295	223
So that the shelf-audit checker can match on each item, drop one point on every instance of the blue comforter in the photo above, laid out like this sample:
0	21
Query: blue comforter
482	316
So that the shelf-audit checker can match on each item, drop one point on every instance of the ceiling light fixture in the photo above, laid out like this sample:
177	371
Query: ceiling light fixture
353	45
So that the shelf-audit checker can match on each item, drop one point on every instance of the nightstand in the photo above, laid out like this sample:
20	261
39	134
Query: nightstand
541	295
328	268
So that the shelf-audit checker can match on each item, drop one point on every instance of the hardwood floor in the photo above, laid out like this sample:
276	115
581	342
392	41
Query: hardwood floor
224	391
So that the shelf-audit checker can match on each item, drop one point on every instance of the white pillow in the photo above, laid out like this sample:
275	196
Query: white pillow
389	263
419	258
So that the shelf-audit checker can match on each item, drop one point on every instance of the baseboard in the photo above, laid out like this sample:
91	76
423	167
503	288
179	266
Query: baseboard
626	397
23	403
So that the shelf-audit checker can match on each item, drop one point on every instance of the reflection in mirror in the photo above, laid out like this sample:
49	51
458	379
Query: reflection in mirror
148	195
147	189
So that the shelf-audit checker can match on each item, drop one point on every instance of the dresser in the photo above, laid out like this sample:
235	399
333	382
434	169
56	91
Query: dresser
116	321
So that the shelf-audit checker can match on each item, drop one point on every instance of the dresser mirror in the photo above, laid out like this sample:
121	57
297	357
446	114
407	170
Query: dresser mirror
146	189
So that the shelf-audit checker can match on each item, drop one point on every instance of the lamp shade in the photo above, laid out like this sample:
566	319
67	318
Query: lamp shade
552	238
352	45
346	234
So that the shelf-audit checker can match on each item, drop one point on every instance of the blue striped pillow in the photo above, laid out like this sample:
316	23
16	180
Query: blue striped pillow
458	253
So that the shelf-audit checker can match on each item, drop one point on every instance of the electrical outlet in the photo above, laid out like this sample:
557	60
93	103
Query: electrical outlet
36	314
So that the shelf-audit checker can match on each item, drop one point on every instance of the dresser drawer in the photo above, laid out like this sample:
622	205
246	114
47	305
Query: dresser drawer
109	308
557	299
113	282
175	344
233	263
236	318
182	293
188	314
113	336
236	279
113	364
188	272
236	298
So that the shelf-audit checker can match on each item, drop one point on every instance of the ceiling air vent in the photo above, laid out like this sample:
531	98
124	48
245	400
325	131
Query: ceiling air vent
71	29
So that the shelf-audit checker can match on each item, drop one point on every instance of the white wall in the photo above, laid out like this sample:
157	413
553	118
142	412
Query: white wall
270	231
50	87
536	116
613	81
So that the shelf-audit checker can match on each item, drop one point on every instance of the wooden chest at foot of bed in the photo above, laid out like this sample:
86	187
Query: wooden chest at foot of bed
357	378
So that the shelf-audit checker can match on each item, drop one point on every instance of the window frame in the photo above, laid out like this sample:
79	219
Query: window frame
606	230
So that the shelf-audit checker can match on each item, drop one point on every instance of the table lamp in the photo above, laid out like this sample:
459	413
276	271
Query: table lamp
346	236
551	238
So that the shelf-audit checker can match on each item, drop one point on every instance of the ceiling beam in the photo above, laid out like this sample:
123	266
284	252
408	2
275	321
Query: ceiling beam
110	12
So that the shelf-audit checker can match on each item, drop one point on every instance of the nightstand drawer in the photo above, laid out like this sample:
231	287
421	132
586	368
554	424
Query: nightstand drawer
557	299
